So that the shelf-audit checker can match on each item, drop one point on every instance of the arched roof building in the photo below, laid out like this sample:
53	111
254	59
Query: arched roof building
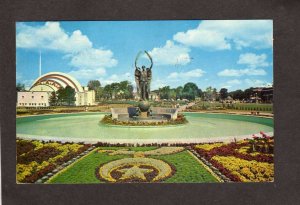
41	89
53	81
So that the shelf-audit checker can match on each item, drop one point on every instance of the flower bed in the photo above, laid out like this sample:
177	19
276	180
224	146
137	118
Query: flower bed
135	164
107	119
35	159
249	160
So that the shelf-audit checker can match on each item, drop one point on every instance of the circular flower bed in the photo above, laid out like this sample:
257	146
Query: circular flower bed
107	119
137	169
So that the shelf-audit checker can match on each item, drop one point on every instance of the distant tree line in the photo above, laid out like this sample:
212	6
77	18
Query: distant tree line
124	90
120	90
191	91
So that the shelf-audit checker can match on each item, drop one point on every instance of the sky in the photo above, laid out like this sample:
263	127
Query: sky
232	54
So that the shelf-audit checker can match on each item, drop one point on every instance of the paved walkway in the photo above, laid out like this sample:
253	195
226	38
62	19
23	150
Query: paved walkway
183	107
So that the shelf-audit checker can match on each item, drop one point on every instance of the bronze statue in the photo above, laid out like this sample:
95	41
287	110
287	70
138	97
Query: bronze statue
143	78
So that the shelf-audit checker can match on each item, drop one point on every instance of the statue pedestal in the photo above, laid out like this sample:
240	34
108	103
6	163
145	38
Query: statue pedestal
143	115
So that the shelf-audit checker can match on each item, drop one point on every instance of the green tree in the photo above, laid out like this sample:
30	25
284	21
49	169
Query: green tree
66	95
70	95
172	94
99	93
208	93
237	95
164	92
248	93
200	93
223	93
107	91
190	91
94	84
179	91
20	87
53	99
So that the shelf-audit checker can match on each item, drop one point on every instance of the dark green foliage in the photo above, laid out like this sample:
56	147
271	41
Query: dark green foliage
20	87
66	96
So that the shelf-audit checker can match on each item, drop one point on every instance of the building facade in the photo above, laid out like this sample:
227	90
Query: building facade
41	89
33	99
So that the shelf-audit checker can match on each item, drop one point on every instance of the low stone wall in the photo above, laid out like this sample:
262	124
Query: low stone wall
132	111
165	111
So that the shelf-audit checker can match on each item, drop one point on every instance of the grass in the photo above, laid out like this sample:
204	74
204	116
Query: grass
203	105
259	120
83	171
187	168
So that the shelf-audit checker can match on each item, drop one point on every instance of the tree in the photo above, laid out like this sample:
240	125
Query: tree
20	87
70	95
164	92
53	99
237	95
66	95
107	92
178	91
200	92
214	94
223	93
126	89
208	93
248	93
98	93
94	84
190	91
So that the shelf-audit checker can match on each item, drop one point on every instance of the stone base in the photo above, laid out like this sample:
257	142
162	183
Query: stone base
143	115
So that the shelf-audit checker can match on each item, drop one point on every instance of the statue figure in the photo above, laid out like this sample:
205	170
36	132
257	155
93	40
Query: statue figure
143	78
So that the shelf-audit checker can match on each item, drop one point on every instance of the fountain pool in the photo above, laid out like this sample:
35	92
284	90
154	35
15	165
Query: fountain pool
86	127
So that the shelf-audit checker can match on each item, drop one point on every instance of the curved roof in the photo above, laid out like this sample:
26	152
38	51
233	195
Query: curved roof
60	78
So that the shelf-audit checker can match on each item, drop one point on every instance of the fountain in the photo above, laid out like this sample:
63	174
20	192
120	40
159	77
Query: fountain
144	112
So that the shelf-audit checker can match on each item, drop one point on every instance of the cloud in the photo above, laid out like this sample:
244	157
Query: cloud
253	61
51	36
171	54
91	63
158	83
196	73
234	82
87	74
226	86
117	78
241	72
226	34
255	83
93	58
87	61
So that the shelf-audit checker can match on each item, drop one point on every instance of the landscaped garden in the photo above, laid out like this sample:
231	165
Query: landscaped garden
36	159
136	164
249	160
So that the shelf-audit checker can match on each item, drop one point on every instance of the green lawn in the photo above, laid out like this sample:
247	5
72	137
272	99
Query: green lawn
203	105
188	169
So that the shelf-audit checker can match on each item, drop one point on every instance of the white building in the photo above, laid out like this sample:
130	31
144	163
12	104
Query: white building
41	89
33	99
